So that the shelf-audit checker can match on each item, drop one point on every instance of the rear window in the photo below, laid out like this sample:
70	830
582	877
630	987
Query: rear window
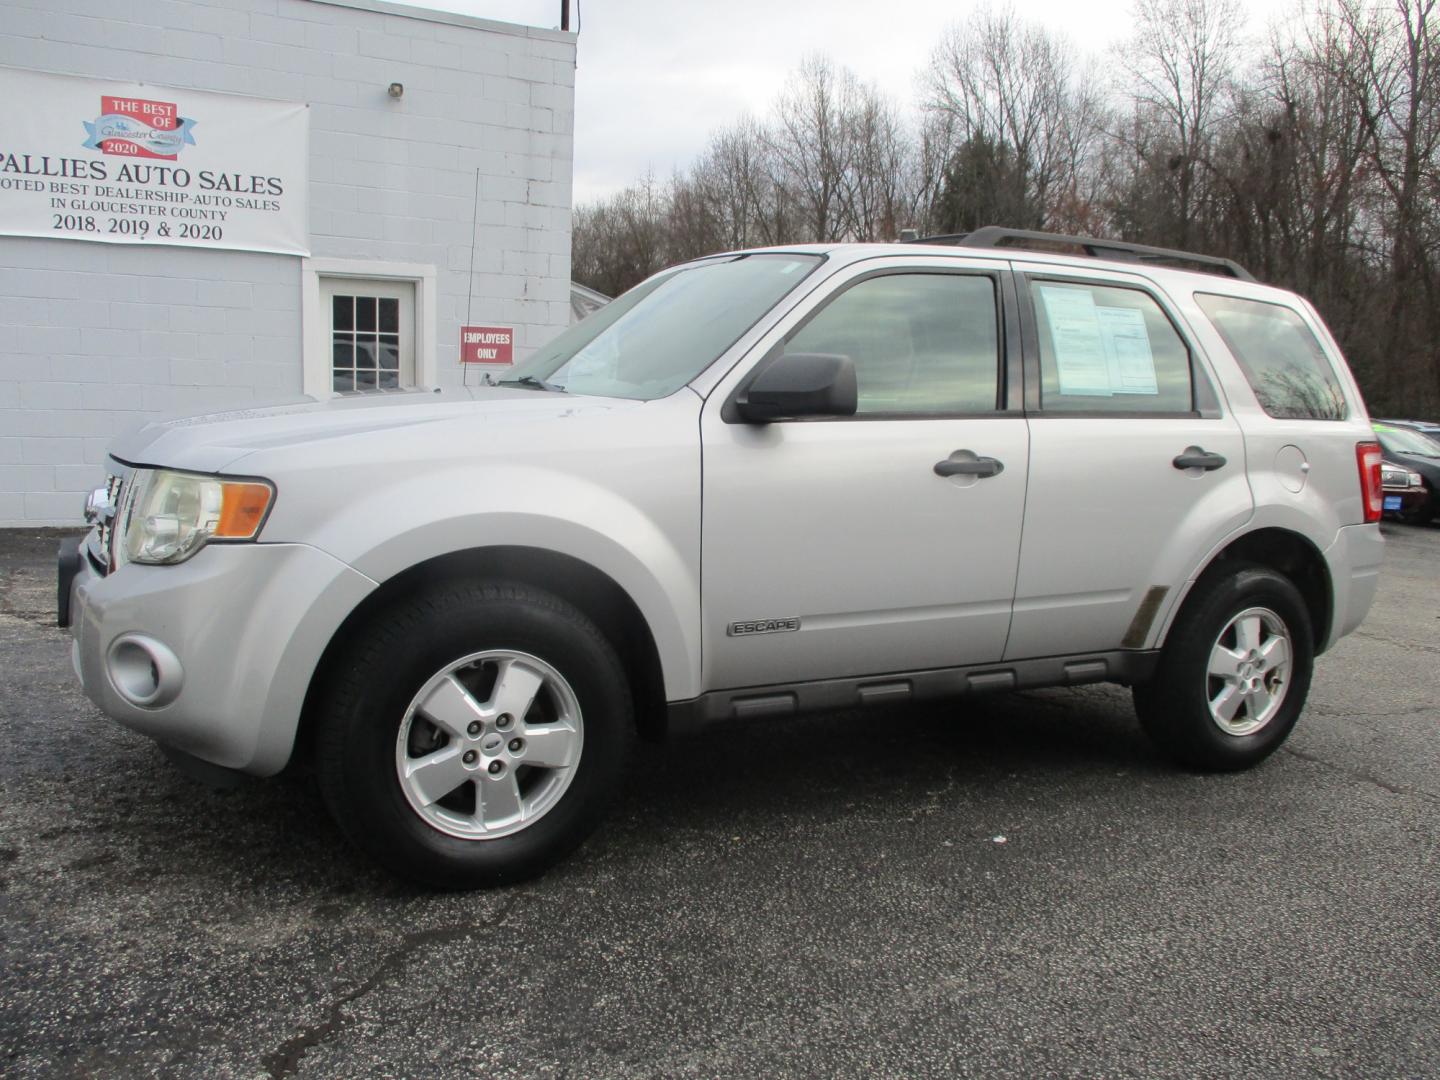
1280	356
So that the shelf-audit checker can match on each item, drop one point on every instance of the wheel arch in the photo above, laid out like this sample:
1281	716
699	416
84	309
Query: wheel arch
1285	551
597	595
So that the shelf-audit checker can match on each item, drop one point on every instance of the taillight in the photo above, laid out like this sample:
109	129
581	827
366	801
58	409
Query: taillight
1367	460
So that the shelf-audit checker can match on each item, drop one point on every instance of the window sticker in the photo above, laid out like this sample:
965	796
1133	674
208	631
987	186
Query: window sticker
1127	347
1080	354
1099	351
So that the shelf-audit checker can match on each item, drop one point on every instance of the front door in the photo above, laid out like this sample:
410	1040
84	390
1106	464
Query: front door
832	547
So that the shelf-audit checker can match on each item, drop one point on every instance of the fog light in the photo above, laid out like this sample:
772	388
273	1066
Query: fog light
144	672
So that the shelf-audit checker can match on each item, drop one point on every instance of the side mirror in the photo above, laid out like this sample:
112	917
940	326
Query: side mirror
799	384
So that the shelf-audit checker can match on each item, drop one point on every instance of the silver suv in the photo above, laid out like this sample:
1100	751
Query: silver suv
757	484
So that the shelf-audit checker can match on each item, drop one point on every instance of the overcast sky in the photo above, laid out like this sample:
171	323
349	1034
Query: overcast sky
655	79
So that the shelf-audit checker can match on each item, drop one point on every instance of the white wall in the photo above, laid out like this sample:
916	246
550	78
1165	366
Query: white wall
95	338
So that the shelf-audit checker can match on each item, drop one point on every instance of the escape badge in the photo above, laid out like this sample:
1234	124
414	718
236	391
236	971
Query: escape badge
762	626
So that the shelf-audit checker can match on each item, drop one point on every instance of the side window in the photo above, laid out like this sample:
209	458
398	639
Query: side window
922	343
1279	355
1108	349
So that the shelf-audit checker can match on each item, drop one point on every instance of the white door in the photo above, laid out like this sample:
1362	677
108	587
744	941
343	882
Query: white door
839	532
372	333
1118	401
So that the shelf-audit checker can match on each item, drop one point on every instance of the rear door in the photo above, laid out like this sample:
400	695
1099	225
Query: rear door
1136	471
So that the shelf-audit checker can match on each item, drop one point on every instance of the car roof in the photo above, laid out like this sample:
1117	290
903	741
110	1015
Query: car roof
1176	280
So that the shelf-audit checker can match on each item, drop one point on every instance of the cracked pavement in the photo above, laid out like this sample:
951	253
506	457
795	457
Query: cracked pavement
1012	886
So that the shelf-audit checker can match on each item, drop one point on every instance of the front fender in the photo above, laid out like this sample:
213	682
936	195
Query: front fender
650	551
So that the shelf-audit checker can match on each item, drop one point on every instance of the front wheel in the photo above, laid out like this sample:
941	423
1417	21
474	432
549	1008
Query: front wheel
1234	673
474	735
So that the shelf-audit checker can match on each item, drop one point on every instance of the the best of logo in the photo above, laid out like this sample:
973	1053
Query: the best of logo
135	127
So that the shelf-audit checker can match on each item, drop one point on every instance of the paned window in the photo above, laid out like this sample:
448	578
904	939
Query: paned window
371	339
366	342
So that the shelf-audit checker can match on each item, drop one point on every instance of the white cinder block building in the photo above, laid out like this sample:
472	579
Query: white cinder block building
207	203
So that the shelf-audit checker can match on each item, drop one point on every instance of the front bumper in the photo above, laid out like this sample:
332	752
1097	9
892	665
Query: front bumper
247	624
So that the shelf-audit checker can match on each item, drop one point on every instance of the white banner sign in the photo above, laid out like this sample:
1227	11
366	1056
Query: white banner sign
126	163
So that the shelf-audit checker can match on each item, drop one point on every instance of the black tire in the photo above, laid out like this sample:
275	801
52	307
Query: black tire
396	655
1174	706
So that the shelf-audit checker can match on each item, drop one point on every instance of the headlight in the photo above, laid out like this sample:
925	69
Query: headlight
171	515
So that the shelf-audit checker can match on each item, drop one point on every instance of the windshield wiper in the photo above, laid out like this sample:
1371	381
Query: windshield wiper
532	382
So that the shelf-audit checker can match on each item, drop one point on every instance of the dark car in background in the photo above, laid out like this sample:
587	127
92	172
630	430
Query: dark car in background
1403	492
1425	427
1411	449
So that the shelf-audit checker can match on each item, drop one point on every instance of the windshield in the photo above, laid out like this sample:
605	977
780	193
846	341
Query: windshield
1406	441
661	334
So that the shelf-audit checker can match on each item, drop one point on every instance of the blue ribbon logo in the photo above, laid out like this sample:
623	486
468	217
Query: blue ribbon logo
159	143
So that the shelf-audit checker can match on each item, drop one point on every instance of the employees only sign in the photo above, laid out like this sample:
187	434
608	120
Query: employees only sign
125	163
487	345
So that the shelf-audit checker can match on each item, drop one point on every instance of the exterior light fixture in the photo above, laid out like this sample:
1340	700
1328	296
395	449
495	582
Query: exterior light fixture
397	89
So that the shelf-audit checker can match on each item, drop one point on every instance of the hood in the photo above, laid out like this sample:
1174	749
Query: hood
214	442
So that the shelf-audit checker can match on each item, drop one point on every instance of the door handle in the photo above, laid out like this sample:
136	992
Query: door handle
980	467
1193	457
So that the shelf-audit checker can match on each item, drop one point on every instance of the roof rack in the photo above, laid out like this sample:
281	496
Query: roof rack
996	236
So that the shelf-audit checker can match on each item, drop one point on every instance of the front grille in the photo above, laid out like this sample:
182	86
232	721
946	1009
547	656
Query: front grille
104	543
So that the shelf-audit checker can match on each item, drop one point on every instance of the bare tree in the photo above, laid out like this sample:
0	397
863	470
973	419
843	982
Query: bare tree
1315	161
733	179
998	82
873	196
621	240
1393	67
1180	62
812	144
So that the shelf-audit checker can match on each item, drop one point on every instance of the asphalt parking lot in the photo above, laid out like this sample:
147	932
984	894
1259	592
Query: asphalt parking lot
1016	886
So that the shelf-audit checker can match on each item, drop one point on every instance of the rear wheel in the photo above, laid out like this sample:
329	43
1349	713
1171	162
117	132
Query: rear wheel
475	734
1234	673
